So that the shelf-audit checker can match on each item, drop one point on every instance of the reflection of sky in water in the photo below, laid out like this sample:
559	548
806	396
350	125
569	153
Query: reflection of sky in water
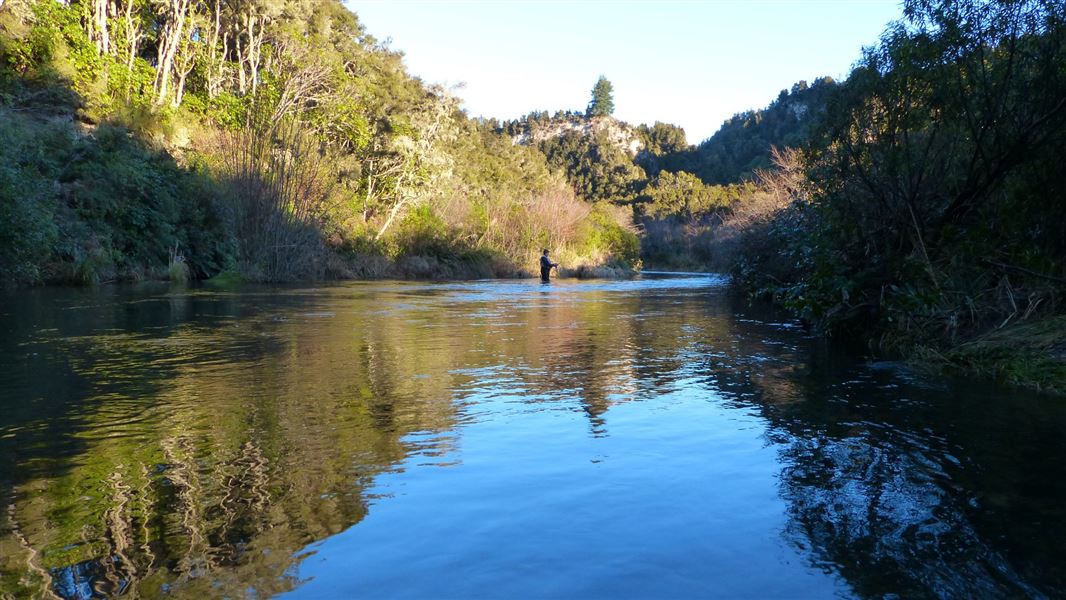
648	437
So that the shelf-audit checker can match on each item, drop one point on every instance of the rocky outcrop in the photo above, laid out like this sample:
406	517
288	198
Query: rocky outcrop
621	135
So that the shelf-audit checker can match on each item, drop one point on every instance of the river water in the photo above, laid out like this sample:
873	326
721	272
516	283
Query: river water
646	438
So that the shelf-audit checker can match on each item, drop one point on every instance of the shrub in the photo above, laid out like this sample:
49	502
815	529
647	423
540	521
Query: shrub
28	230
603	233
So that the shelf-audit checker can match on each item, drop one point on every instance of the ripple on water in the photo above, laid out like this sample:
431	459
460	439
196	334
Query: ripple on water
601	438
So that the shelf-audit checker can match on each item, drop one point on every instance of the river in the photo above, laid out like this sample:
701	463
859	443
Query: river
647	438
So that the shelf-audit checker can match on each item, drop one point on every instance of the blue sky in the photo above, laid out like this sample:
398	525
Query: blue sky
691	63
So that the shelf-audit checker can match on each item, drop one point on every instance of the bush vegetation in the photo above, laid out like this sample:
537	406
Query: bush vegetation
277	140
94	207
929	214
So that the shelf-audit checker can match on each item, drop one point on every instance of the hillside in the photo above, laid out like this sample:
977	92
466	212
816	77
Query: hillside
744	143
148	140
653	173
620	135
132	137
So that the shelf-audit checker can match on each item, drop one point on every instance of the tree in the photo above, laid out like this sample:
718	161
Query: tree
683	196
663	138
602	103
933	121
665	149
596	166
928	210
424	160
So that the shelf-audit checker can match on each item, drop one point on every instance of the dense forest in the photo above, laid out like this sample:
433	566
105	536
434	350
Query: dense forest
917	203
149	140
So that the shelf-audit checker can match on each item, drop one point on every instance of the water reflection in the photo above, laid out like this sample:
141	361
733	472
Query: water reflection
951	492
201	442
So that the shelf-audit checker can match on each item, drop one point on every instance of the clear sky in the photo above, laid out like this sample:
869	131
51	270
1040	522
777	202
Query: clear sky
691	63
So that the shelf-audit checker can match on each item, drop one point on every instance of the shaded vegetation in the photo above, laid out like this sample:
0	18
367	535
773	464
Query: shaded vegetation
930	212
745	142
90	208
1031	354
917	203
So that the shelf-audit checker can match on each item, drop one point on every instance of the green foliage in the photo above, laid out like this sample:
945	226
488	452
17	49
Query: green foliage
1027	354
489	165
682	219
228	278
602	102
93	207
423	233
226	111
595	166
28	230
178	270
683	196
665	149
114	195
663	138
37	48
112	180
603	234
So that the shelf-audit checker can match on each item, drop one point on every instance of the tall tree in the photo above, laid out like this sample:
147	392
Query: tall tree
602	103
175	13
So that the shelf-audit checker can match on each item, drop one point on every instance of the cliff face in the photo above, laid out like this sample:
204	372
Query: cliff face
621	135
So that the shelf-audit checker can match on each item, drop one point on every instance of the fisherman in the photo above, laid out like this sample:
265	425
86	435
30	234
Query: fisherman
546	266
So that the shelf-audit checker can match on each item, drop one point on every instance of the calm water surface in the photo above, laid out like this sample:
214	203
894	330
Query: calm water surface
646	438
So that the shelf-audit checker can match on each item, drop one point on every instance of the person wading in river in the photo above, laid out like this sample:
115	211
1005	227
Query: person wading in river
546	266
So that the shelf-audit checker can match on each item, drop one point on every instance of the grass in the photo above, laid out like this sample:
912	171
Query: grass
1030	355
227	278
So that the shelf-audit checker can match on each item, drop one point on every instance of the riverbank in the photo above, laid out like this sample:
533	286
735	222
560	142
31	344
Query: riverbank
474	265
460	267
98	204
1028	355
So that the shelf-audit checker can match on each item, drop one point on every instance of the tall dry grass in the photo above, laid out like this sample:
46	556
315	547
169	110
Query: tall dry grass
743	229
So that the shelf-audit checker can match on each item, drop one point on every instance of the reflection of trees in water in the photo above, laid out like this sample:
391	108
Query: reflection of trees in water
209	456
201	459
876	494
173	524
869	511
610	348
874	488
20	553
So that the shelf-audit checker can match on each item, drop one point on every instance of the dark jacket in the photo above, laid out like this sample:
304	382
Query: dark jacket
546	265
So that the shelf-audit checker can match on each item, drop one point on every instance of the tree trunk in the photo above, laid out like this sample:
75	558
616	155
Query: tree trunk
255	45
242	83
101	37
168	46
392	215
216	54
133	36
179	90
369	192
